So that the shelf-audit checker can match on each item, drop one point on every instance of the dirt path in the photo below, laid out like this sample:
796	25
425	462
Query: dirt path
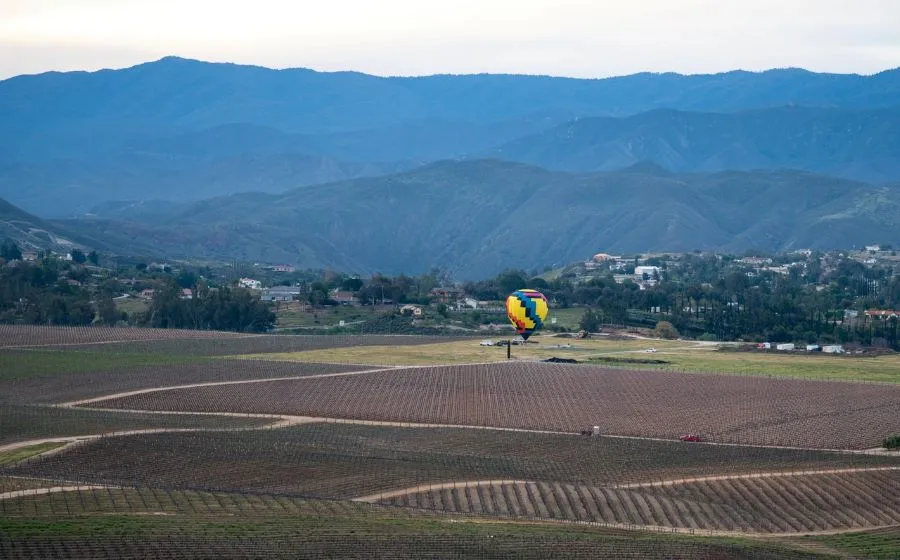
52	490
657	483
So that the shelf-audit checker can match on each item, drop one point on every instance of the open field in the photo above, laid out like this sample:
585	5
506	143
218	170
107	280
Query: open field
48	376
243	488
317	532
678	356
341	461
469	351
561	397
15	455
25	422
12	336
260	344
790	504
881	544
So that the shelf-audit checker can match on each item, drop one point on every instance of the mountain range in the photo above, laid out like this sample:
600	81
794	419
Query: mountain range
476	218
185	130
474	173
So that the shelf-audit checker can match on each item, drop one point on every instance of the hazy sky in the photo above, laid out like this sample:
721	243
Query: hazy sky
584	38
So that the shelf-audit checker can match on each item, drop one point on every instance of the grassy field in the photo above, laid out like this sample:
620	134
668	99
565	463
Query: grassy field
289	317
132	305
880	545
680	355
470	351
374	533
16	455
24	364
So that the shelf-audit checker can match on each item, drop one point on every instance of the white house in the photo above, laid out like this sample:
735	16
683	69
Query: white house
833	349
250	283
650	271
873	248
785	347
812	348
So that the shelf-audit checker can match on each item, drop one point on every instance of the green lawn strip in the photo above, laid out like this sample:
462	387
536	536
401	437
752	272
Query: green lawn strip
884	369
17	364
374	523
879	544
23	422
16	455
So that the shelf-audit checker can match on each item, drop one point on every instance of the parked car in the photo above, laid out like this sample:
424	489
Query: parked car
691	437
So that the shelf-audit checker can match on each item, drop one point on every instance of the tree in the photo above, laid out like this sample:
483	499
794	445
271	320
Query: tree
665	329
78	256
352	285
107	312
589	321
9	251
93	258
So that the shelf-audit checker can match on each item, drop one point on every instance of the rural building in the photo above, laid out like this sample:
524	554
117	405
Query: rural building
604	257
250	283
280	293
187	293
785	347
813	348
882	314
343	297
756	261
833	349
873	248
29	256
147	294
413	310
284	268
764	346
650	271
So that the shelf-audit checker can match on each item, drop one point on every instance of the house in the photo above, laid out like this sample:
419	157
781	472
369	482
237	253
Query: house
148	293
280	293
833	349
882	314
870	261
471	303
413	310
785	347
29	256
187	293
813	348
250	284
284	268
342	297
764	346
650	271
756	261
604	257
873	248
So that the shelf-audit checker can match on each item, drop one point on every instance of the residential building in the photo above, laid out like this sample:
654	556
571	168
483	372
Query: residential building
343	297
785	347
250	283
148	293
280	293
650	271
873	248
187	293
833	349
284	268
756	261
446	295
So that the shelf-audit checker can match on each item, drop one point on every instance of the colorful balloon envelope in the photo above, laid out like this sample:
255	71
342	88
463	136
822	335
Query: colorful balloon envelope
527	310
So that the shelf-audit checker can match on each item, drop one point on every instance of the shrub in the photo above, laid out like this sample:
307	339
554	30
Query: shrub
892	442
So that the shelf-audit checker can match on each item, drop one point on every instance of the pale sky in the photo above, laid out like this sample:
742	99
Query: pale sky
580	38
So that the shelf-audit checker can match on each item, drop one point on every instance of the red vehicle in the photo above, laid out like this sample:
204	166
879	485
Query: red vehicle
691	437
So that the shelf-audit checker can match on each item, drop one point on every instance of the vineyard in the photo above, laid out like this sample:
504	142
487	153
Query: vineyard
141	443
789	504
559	397
341	461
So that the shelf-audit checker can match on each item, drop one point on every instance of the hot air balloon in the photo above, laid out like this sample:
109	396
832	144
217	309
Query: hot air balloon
527	310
